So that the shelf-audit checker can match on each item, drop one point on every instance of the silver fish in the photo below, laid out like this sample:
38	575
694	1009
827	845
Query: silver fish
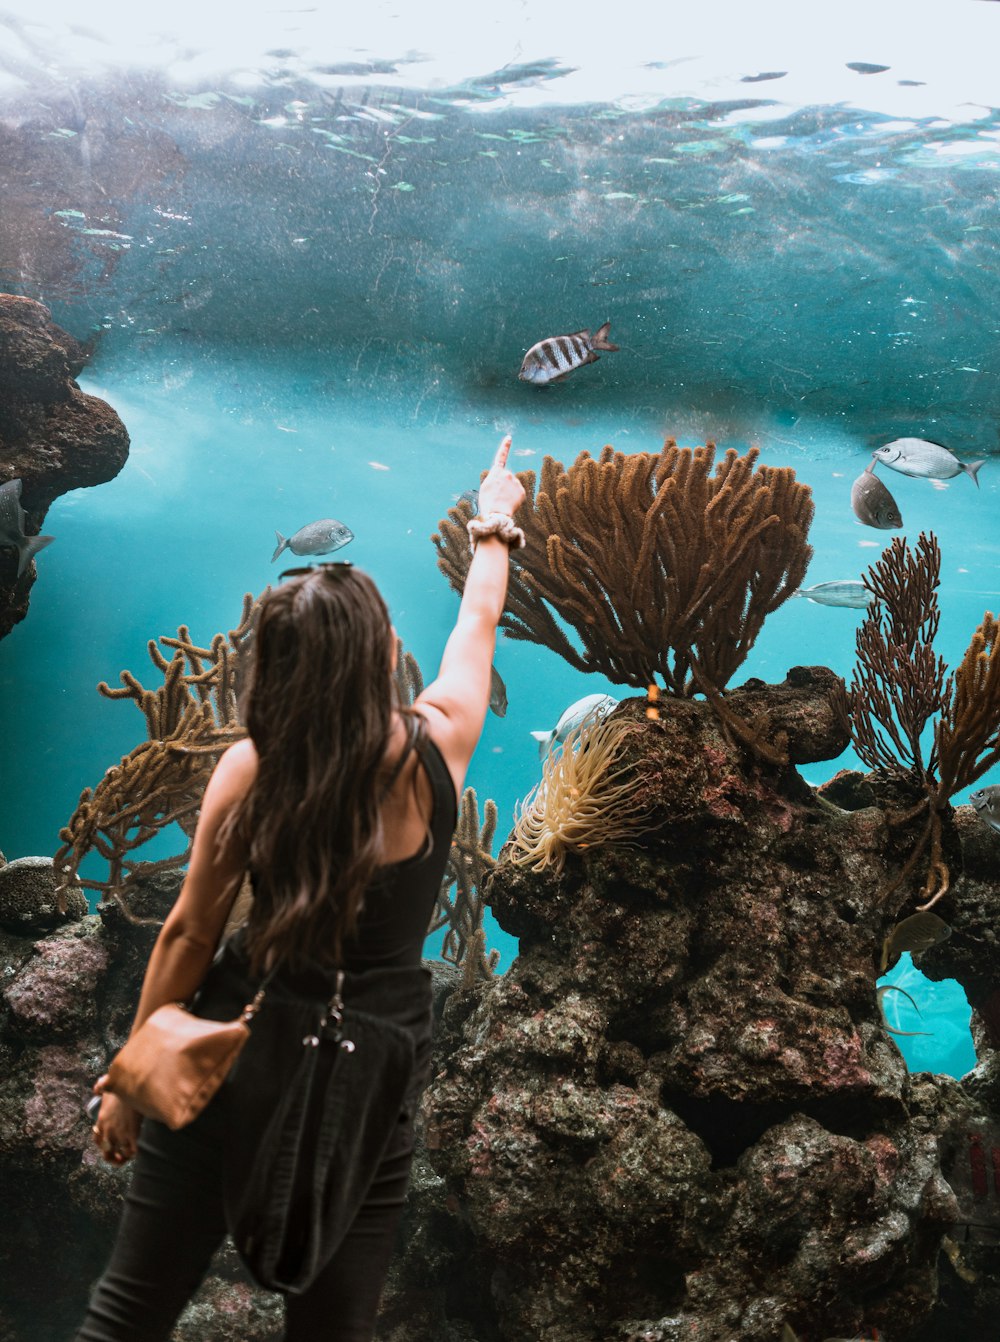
552	359
987	803
316	538
846	592
872	502
591	708
471	497
498	693
12	526
924	460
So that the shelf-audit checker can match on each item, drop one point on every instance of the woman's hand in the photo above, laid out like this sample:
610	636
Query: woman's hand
116	1131
501	491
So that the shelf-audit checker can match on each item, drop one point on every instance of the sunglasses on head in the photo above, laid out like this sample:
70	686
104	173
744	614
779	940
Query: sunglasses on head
329	567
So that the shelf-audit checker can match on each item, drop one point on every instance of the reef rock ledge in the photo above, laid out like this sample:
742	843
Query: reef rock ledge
53	437
679	1115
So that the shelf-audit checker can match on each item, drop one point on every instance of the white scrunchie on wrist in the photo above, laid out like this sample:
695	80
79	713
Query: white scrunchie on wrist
495	524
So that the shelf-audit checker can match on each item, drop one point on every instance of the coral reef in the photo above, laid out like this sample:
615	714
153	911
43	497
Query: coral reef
586	796
677	580
679	1114
29	899
677	1117
190	719
53	437
900	686
469	863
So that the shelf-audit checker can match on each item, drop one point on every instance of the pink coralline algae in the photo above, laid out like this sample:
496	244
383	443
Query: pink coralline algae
54	992
53	1112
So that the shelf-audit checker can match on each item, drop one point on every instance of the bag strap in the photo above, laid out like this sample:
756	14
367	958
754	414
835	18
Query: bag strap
252	1007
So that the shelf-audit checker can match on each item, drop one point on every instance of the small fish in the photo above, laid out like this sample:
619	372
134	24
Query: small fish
917	933
845	592
471	497
316	538
987	803
872	502
891	988
12	526
552	359
498	693
924	460
591	708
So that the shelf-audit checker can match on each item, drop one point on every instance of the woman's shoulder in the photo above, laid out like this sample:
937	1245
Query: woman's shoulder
235	771
241	755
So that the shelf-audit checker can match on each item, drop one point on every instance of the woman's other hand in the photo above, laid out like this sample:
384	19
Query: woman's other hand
501	491
116	1131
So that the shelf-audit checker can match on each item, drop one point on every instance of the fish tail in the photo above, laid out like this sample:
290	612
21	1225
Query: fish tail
971	468
544	740
28	548
282	545
599	340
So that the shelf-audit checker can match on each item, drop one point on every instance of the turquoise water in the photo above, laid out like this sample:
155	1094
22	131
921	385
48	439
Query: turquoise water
314	276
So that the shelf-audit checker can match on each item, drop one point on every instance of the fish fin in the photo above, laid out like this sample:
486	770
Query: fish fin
282	544
600	340
544	740
28	550
971	468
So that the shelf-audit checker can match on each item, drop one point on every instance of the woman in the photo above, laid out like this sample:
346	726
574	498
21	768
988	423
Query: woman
341	805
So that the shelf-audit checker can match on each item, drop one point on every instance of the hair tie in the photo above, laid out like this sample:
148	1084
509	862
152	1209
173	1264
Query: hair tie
495	524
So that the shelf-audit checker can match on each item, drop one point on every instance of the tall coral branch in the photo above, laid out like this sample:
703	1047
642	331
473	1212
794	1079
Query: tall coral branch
901	685
652	561
190	720
469	864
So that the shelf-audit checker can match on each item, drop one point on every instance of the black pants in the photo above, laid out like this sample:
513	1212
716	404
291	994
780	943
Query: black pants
173	1223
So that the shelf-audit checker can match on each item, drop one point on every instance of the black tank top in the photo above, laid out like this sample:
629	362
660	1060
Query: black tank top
400	901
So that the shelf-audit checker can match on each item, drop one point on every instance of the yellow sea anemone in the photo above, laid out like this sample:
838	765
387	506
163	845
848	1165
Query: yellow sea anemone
586	796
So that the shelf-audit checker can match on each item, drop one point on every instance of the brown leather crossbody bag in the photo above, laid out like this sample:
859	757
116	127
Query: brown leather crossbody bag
175	1062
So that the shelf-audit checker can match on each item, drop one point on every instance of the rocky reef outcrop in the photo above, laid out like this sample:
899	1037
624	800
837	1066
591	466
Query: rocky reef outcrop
678	1116
53	437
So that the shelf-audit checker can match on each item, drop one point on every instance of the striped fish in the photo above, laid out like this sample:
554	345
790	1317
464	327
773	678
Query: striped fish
550	360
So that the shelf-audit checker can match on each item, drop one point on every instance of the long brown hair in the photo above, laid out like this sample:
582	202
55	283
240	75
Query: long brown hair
318	708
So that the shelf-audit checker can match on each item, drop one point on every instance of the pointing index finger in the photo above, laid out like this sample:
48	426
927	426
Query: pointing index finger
502	452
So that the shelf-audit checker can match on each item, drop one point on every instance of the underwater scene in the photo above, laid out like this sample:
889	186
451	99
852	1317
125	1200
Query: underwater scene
313	266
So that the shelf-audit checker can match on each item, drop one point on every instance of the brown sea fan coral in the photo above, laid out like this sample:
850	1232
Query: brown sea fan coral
899	683
588	794
190	719
899	687
658	565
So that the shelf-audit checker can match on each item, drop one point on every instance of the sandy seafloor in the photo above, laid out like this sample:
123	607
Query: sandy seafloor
228	447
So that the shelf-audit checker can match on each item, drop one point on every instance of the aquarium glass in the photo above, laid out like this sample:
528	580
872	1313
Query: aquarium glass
309	247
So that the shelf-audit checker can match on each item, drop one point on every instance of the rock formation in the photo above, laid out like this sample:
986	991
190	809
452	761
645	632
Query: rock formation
679	1115
53	437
